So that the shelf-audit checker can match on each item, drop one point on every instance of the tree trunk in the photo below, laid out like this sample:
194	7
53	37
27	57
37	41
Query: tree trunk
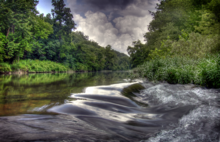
8	32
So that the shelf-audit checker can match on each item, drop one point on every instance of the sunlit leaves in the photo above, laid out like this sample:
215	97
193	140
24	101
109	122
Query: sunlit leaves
20	25
40	28
208	24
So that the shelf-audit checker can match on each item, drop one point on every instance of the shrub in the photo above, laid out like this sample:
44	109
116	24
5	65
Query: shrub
38	66
172	76
193	45
183	70
210	75
5	67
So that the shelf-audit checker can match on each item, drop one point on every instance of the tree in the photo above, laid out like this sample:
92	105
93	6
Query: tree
15	22
109	55
63	24
138	53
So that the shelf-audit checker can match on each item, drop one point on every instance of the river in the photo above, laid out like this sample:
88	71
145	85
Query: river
105	106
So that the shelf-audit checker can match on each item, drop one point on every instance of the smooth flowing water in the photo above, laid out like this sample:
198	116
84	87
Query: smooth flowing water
105	107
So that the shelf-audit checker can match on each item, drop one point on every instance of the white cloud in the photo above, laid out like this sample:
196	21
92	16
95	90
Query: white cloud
97	27
134	26
121	31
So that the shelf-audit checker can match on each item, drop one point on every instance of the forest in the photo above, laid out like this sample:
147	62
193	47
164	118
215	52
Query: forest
182	45
32	42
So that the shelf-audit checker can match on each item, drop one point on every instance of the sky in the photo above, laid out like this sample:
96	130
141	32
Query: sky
109	22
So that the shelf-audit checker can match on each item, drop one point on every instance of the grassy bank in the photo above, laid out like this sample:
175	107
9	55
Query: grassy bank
182	70
33	66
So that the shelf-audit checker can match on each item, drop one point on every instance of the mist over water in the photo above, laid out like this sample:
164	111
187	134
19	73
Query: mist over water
106	107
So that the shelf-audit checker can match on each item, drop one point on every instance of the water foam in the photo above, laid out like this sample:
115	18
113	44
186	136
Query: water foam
200	125
179	94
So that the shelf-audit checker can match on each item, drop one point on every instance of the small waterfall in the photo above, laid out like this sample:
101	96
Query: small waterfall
137	112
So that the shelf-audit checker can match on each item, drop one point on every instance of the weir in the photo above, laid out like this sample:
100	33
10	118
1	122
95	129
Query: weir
118	111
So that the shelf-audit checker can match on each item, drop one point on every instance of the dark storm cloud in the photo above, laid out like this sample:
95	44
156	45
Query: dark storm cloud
114	22
114	8
106	4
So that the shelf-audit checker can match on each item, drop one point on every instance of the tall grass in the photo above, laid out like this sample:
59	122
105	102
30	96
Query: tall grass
5	67
33	66
183	70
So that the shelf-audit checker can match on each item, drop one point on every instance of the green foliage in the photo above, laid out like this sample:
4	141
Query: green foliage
210	75
2	45
183	70
180	75
81	67
182	44
193	45
38	66
180	28
20	25
213	6
110	58
5	67
94	57
197	45
25	35
208	23
171	69
138	53
162	52
40	28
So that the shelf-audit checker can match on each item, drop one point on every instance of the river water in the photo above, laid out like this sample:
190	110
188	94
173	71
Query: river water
87	107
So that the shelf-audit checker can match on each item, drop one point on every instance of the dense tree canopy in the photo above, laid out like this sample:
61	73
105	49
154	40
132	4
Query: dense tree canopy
26	34
179	23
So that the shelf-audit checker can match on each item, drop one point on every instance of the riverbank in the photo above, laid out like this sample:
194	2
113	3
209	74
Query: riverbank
21	72
37	66
32	66
182	70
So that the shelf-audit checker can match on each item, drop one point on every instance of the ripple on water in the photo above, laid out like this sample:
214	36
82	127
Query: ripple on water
158	113
103	108
200	125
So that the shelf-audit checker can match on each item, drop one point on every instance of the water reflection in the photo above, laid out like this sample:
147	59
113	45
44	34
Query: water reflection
38	92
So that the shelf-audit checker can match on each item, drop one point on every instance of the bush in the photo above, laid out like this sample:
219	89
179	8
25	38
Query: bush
172	76
5	67
81	67
186	76
196	46
34	66
210	75
183	70
193	45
